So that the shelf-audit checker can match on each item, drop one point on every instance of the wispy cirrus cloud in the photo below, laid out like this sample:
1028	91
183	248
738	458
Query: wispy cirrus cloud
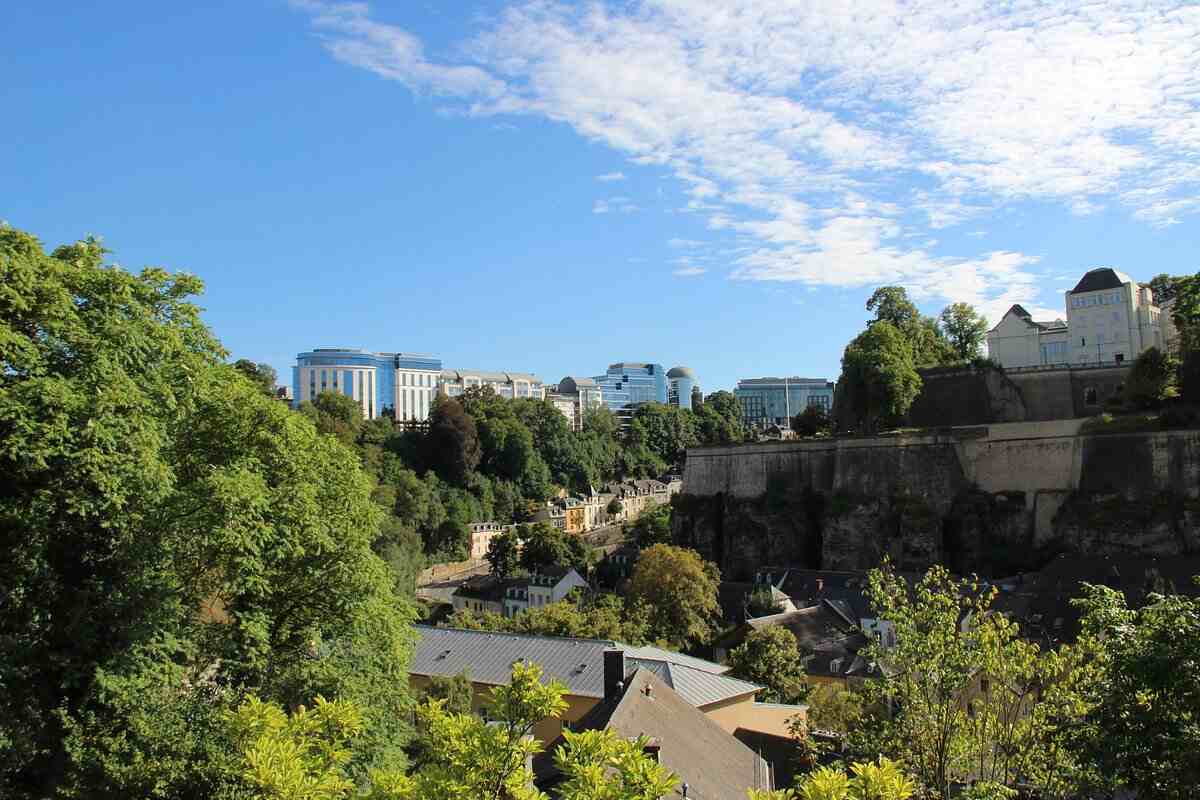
610	177
829	153
623	205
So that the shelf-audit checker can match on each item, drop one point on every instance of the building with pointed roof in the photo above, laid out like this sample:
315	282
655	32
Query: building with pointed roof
709	760
1110	319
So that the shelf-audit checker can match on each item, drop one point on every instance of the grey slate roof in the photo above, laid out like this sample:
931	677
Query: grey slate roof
578	663
714	764
1095	280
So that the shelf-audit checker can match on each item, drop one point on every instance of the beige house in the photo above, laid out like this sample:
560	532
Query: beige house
482	533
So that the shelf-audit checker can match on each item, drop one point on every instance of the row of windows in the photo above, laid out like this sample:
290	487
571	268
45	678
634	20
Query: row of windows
1106	299
419	379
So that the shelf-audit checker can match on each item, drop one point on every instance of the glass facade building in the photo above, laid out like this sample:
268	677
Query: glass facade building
378	381
681	385
770	401
627	384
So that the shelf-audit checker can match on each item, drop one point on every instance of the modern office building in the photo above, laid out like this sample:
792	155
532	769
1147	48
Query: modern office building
509	385
417	379
399	384
774	401
1111	318
681	386
627	384
575	397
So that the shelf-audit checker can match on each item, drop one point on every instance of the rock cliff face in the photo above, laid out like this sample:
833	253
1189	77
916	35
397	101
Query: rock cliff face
990	500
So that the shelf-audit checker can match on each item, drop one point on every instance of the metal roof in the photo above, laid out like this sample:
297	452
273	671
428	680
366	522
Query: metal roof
1100	278
491	377
578	663
714	764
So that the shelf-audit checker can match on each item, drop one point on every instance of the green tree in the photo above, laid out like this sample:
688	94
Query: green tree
1142	726
262	374
168	532
652	526
925	339
451	447
659	436
881	780
336	414
680	590
834	708
720	419
1163	287
771	657
811	421
1152	379
879	381
891	305
965	329
544	546
303	757
504	554
963	677
762	603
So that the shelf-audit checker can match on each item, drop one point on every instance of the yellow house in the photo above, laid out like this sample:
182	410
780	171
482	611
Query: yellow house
579	664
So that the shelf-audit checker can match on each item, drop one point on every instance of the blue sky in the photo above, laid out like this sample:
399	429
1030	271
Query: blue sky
549	188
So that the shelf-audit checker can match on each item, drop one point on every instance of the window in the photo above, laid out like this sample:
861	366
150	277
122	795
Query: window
1089	396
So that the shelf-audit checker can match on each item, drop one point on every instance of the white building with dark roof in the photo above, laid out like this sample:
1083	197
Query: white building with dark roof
1111	318
509	385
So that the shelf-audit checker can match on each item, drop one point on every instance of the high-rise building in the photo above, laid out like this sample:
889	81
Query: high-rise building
773	401
397	384
681	386
627	384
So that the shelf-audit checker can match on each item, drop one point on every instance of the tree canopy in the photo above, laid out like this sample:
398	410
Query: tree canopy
879	381
680	589
171	537
771	657
965	330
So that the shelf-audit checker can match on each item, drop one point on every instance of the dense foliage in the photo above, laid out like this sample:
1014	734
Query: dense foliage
303	756
879	379
771	658
600	616
680	589
484	458
170	538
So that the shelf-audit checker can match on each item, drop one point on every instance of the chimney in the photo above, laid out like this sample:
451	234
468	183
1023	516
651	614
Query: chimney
652	748
614	673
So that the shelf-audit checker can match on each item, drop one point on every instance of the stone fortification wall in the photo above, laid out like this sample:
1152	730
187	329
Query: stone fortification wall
988	499
986	395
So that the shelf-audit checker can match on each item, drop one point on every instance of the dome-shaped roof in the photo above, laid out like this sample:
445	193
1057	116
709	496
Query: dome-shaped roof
681	372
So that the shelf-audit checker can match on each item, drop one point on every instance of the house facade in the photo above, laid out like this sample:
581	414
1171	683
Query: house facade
540	590
1110	319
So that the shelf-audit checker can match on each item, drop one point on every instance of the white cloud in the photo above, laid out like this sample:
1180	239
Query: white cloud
689	272
614	204
684	243
802	133
609	177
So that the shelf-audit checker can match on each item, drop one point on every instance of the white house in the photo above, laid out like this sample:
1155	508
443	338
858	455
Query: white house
541	589
1111	318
